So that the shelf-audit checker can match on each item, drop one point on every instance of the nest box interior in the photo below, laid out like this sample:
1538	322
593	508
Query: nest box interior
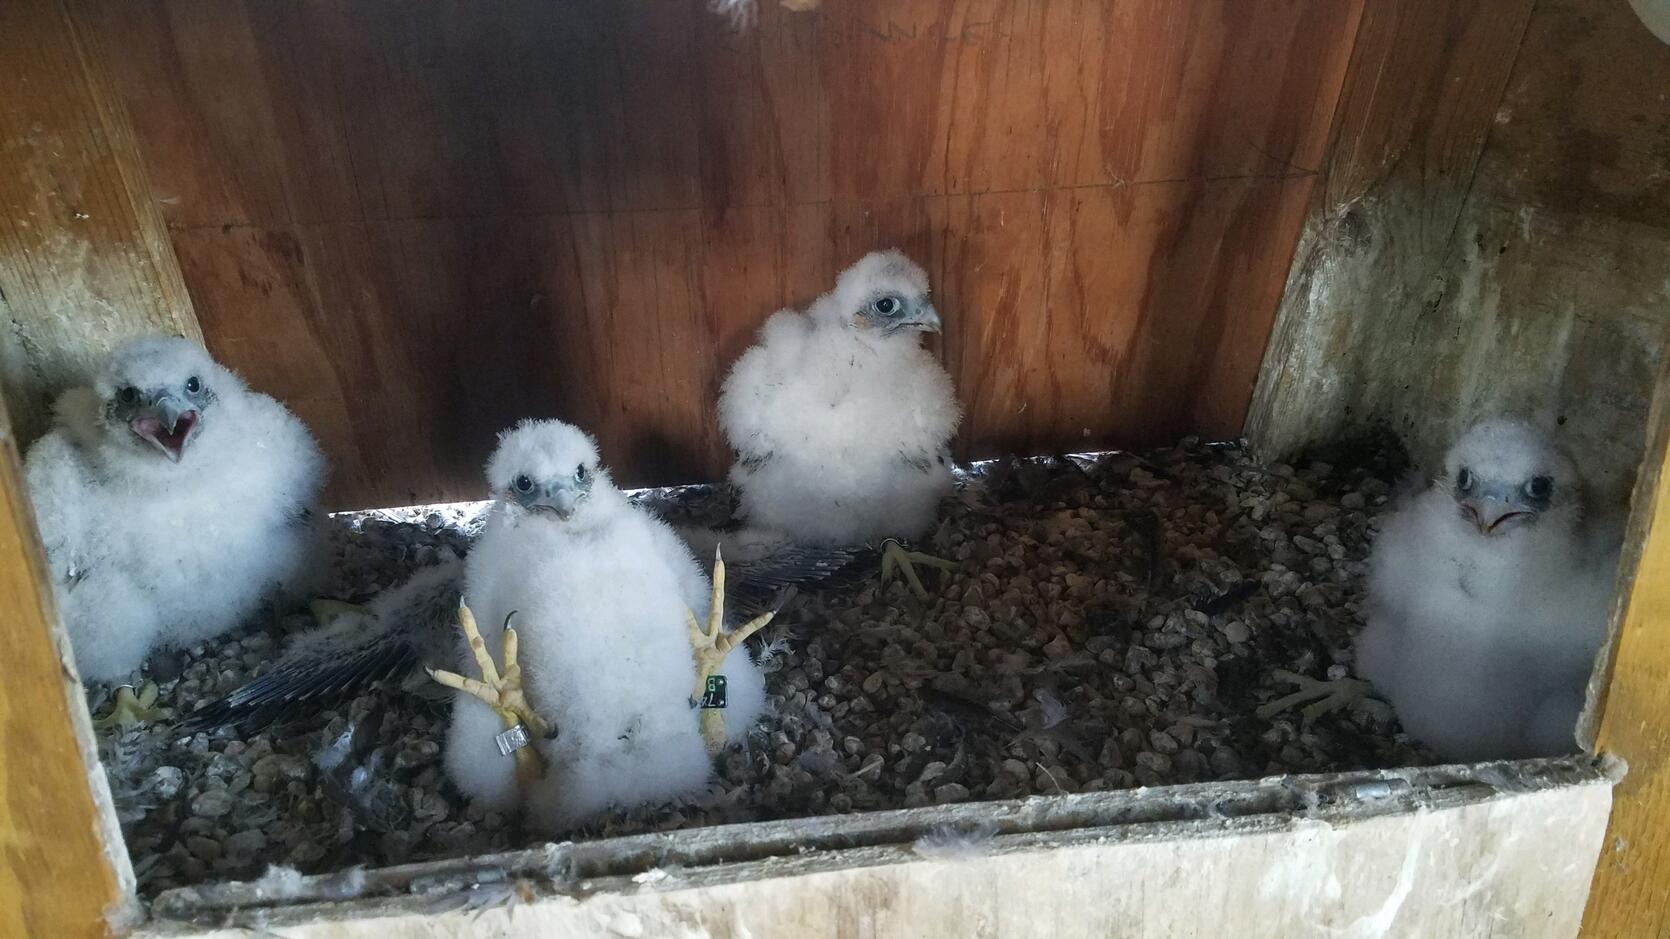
1215	276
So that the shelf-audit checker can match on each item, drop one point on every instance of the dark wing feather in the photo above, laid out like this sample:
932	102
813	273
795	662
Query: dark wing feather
917	462
755	585
305	682
334	664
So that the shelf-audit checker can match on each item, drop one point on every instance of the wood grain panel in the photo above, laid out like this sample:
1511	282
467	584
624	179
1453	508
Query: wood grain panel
57	878
1443	276
1419	101
1631	891
1585	125
84	258
592	205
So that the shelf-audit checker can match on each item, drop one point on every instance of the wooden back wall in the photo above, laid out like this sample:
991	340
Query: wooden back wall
417	222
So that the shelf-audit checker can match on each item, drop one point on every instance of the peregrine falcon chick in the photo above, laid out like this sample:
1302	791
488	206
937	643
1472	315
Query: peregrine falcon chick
1489	595
172	501
598	591
839	419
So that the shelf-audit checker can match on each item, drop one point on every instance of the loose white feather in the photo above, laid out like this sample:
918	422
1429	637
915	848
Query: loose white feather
956	843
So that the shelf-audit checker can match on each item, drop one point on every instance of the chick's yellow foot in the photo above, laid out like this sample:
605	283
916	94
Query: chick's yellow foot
132	709
710	647
897	561
1326	696
501	692
326	611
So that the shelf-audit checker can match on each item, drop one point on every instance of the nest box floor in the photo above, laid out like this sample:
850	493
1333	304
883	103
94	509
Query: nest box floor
1114	621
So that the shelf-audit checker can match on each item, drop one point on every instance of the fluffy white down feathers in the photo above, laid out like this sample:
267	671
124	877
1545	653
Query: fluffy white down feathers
149	551
841	427
1483	642
599	599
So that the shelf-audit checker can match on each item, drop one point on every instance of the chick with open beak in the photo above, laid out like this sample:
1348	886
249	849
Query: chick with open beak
167	423
166	418
174	503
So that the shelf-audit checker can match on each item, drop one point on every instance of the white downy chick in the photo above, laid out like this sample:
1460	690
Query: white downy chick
599	589
840	420
1489	595
173	501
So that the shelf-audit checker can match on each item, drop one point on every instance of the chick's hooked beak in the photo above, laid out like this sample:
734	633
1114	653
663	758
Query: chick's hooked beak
560	498
926	319
1494	514
169	424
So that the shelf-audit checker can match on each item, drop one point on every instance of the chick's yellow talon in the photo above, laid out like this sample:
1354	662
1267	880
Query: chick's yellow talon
896	561
130	709
501	692
710	646
1324	697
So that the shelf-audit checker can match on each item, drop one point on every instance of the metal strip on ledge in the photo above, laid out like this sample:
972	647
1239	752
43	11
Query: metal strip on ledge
964	473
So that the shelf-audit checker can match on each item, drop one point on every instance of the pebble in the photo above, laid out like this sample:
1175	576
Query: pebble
951	792
205	849
212	804
166	782
246	843
280	766
1058	648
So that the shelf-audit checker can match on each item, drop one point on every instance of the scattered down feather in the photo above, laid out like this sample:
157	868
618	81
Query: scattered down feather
172	501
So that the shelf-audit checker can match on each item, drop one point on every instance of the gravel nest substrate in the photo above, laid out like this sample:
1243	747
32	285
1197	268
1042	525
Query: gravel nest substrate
1113	621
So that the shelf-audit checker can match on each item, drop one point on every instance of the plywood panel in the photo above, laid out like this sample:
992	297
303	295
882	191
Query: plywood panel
596	203
84	258
1595	74
59	876
1419	101
1440	277
1077	345
1631	892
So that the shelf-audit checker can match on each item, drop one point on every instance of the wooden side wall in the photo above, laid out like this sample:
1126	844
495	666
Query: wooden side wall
64	871
417	222
1493	250
1630	696
85	260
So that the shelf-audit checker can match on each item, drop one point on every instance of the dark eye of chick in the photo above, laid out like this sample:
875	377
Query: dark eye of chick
523	483
886	306
580	473
128	395
1539	488
1464	480
194	385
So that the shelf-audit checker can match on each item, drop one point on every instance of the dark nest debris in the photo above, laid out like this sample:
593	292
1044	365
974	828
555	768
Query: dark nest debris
1113	621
